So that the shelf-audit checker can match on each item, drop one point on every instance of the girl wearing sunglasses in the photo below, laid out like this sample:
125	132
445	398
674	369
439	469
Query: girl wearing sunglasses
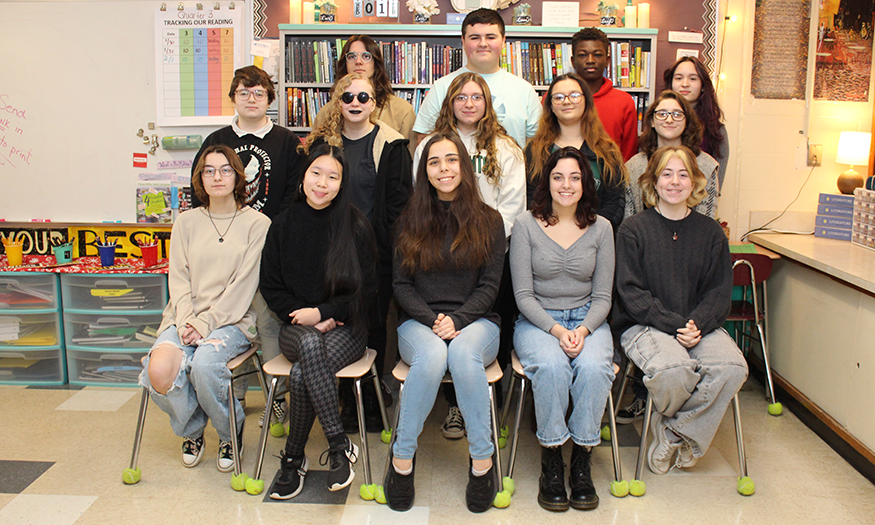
379	182
362	55
671	121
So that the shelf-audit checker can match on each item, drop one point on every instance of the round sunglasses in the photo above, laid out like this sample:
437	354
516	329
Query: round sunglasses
347	97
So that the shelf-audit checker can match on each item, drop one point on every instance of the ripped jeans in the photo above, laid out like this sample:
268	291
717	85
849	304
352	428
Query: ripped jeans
200	390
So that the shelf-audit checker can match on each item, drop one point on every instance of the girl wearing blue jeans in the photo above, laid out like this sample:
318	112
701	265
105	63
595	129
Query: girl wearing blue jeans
562	264
209	319
447	269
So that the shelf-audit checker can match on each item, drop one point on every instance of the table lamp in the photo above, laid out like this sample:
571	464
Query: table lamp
854	150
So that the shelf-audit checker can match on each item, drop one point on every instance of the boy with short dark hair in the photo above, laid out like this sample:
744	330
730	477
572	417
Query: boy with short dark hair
591	54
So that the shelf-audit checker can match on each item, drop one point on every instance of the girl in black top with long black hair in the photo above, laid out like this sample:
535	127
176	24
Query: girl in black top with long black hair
324	306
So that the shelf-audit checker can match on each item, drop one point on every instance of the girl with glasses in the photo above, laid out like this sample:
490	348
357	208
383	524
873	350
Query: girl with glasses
379	181
498	162
570	118
362	55
671	121
210	318
318	275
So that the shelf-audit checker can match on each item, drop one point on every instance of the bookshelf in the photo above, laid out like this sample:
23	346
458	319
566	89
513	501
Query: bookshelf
421	53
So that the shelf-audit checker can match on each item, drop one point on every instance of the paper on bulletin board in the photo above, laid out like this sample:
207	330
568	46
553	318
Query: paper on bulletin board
196	53
560	14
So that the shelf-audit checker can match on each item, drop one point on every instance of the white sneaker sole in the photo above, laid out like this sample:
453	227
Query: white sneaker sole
304	467
355	452
197	459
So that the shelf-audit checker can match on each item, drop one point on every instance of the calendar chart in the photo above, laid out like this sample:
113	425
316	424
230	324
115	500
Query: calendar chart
197	52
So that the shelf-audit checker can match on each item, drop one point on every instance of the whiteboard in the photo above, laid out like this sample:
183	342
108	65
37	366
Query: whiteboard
77	81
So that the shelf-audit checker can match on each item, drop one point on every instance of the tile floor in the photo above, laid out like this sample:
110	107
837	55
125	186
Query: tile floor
63	452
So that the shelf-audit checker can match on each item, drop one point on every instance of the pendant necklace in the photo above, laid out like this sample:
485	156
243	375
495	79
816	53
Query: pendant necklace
221	235
674	236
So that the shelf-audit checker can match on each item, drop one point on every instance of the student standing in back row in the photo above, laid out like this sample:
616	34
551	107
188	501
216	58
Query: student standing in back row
271	164
514	99
616	108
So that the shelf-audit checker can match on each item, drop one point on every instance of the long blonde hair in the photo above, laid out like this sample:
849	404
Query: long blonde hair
331	128
489	129
594	134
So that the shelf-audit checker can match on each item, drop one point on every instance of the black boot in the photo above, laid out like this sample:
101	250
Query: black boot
583	495
551	486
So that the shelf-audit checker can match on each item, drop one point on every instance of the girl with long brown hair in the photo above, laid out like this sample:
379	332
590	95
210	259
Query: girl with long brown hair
448	266
570	118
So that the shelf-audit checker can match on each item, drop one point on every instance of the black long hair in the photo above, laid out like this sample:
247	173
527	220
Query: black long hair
347	226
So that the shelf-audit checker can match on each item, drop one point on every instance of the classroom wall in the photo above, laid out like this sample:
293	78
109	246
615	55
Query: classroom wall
768	153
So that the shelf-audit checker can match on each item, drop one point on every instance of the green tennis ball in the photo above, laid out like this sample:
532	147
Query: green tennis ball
509	485
606	433
254	486
277	430
746	486
502	442
380	497
238	482
637	488
505	431
776	409
620	489
368	492
386	436
131	476
502	500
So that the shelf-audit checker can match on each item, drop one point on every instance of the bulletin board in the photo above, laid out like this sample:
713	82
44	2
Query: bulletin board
197	49
78	81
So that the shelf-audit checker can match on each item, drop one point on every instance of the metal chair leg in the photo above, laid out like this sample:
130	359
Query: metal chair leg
745	485
506	408
238	480
363	432
516	427
262	442
133	474
619	488
637	487
503	497
386	434
623	384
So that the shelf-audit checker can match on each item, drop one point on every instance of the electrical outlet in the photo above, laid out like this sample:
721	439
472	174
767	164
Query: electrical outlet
815	154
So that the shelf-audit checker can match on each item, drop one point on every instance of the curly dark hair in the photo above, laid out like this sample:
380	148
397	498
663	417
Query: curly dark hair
380	80
542	200
691	136
590	33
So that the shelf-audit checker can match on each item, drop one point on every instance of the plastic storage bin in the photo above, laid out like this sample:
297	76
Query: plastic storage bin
21	291
107	367
109	293
32	367
100	330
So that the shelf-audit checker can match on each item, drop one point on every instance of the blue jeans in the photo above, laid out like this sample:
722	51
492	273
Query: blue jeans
691	387
554	375
200	390
429	357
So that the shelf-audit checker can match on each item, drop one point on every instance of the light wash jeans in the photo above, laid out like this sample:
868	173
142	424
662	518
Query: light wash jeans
691	387
554	375
200	390
429	357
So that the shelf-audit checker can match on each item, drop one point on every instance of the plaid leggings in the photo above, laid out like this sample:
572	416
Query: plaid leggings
312	385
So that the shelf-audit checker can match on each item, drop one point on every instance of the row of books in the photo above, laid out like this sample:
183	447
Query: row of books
116	332
630	65
311	60
537	63
304	103
835	216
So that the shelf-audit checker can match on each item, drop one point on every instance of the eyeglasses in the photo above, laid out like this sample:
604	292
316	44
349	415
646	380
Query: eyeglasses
244	93
575	97
461	99
663	114
347	97
365	56
225	171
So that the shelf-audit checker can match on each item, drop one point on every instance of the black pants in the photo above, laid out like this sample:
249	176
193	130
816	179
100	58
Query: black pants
312	385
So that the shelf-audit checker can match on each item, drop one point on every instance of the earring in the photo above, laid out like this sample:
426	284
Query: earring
301	188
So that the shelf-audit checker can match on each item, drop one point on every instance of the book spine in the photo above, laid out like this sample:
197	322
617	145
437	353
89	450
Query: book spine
842	223
832	233
835	211
836	200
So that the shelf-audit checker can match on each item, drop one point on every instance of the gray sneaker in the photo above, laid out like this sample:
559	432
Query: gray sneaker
661	455
454	424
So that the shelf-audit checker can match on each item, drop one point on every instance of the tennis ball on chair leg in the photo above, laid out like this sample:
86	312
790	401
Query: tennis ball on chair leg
132	476
502	500
746	486
254	486
606	433
238	483
776	409
637	488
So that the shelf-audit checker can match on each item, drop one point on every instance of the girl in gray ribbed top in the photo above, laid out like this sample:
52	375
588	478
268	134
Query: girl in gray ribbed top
562	265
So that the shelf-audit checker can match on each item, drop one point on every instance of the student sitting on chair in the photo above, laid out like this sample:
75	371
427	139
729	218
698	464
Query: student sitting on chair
448	265
318	275
674	284
209	319
562	263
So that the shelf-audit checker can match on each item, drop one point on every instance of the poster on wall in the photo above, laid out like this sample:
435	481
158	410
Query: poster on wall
197	49
844	51
780	49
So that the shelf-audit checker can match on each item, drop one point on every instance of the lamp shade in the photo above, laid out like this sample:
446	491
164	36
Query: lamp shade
854	148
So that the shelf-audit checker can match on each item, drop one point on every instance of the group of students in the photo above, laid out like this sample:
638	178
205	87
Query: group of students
461	234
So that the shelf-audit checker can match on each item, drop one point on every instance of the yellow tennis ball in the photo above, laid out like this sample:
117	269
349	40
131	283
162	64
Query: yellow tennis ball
746	486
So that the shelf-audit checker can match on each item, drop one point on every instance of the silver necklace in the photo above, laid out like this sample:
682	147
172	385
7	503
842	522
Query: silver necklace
674	236
221	235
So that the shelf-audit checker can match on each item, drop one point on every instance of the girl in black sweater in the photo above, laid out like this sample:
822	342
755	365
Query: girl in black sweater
324	306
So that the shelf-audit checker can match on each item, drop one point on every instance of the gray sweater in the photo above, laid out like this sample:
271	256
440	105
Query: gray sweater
548	277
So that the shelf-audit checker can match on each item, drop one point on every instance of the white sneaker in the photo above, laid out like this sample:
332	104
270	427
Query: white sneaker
686	459
225	456
661	455
192	451
454	424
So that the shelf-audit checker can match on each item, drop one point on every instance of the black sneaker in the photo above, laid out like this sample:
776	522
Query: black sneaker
454	424
192	451
481	490
340	460
583	494
551	485
291	479
399	489
633	412
225	456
